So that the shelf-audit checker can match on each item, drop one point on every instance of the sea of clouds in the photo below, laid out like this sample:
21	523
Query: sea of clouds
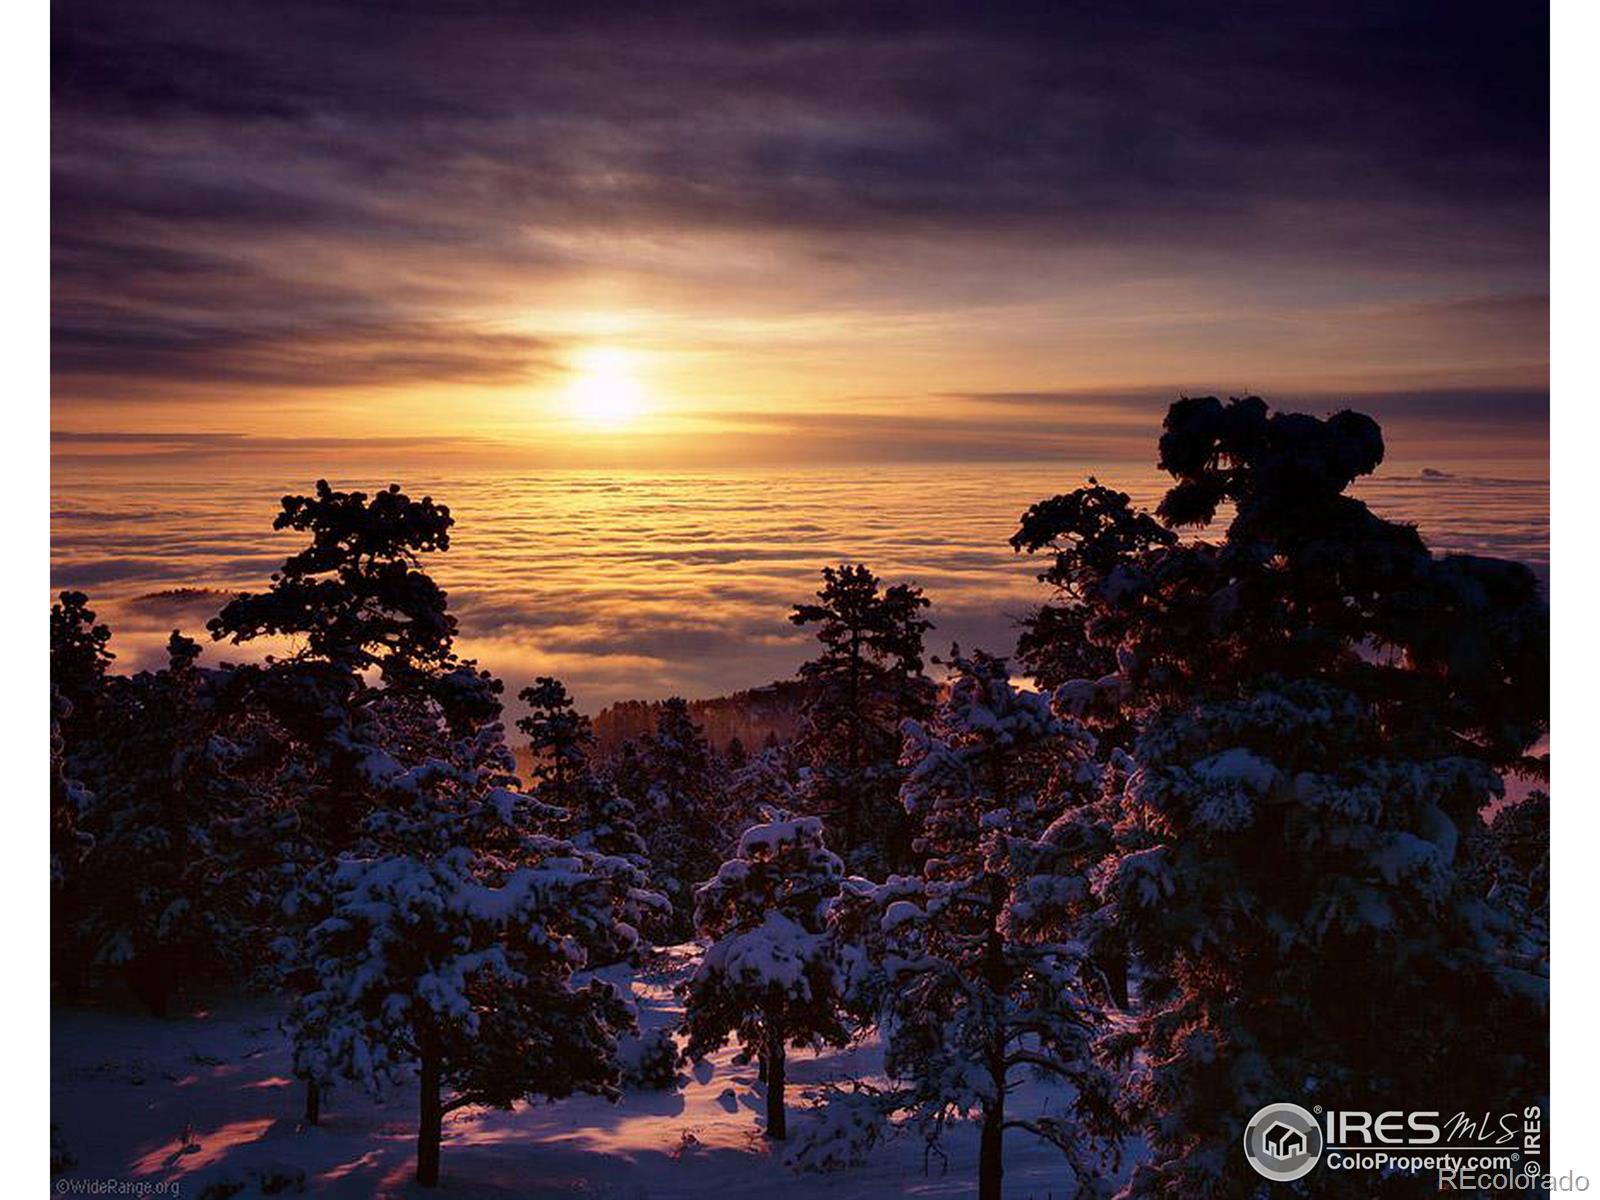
643	585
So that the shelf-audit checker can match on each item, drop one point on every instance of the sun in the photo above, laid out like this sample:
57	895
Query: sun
605	393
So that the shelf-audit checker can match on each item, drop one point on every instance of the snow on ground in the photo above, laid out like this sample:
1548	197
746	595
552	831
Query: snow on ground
209	1097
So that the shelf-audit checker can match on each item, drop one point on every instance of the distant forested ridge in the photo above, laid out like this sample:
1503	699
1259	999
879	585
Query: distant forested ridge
753	717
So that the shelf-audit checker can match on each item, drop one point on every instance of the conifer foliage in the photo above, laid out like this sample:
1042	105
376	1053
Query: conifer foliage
866	680
981	969
561	739
681	792
1322	709
356	595
370	687
80	653
157	894
759	790
769	976
1249	843
450	946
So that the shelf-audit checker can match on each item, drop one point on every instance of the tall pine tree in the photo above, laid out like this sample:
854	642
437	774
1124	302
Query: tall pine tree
682	791
980	969
450	943
770	975
867	679
561	741
1323	709
370	685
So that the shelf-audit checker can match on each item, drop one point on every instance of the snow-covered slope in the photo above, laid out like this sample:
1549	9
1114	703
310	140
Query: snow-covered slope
208	1098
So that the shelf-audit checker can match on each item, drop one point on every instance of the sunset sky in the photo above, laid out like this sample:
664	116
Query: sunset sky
573	234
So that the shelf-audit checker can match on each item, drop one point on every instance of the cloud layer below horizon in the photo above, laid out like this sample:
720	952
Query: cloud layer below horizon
634	586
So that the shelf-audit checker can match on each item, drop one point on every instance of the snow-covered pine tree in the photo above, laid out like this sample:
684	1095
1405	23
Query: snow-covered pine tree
369	627
371	686
576	802
1323	708
681	793
609	825
762	789
1057	645
69	846
450	945
770	975
79	655
159	905
981	968
1510	866
561	739
69	799
866	680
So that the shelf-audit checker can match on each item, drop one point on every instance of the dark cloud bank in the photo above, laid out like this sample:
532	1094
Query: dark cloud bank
224	170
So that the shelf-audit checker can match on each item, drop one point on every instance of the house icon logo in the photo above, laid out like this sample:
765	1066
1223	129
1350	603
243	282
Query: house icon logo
1283	1142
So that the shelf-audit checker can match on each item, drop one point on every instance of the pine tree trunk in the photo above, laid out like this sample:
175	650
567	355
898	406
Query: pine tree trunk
1115	967
852	798
991	1165
67	967
151	981
430	1127
313	1102
66	973
777	1127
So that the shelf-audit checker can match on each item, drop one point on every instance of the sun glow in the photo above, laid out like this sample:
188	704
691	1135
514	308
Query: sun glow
606	392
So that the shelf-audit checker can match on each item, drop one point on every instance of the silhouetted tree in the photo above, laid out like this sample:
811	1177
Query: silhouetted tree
354	601
161	905
1056	644
680	800
867	679
355	595
573	797
371	684
559	738
1322	708
80	652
